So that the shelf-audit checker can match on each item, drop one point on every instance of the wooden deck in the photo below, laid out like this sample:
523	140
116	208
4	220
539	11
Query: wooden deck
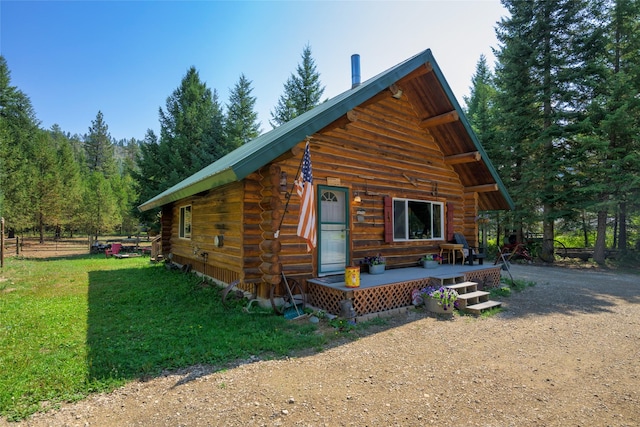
387	293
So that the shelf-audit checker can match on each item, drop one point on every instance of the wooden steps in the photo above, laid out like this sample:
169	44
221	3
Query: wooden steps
446	279
479	308
472	300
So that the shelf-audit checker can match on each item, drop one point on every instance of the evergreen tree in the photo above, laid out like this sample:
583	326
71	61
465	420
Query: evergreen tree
149	176
191	129
241	124
100	198
130	154
47	191
615	114
100	205
98	148
18	129
302	91
191	137
544	80
481	99
69	174
516	116
481	111
123	188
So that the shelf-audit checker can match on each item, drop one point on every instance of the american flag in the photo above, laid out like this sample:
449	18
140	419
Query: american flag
304	188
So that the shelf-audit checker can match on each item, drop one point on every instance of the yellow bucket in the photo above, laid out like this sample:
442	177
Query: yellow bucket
352	277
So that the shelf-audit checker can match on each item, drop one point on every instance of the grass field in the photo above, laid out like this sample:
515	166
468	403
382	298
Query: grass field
73	326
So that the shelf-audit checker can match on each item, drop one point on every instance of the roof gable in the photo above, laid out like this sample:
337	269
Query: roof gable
257	153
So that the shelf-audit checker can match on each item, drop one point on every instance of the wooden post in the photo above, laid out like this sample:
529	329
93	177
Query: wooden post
1	242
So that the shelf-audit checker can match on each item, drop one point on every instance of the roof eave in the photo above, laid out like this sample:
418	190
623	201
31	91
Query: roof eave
171	195
472	134
352	98
278	141
300	129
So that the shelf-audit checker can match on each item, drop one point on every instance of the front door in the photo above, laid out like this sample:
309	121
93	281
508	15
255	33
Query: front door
333	230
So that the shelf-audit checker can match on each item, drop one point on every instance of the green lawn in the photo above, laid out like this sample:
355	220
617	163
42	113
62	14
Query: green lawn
70	327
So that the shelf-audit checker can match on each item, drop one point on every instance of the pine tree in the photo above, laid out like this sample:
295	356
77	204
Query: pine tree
516	115
481	98
302	91
149	175
191	137
481	111
47	192
191	128
101	211
544	83
69	174
18	129
241	124
99	150
123	188
615	115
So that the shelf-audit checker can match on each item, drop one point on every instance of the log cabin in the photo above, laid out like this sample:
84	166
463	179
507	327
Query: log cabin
396	171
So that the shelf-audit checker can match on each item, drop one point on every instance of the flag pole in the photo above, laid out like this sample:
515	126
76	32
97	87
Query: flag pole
288	196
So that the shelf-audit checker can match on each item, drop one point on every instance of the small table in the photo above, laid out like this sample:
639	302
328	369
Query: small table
451	249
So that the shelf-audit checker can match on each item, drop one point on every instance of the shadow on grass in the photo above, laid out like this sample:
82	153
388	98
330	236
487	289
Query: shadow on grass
147	320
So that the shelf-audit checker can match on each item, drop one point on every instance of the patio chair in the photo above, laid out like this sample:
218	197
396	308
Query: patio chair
470	253
113	250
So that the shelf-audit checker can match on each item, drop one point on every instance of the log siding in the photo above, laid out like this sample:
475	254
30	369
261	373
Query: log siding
381	149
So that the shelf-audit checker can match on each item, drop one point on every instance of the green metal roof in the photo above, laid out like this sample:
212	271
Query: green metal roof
259	152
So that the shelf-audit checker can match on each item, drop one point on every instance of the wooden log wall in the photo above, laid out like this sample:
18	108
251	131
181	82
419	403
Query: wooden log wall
215	213
375	151
252	235
166	222
470	223
263	204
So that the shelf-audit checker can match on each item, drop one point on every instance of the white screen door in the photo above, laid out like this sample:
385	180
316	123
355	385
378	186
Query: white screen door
333	230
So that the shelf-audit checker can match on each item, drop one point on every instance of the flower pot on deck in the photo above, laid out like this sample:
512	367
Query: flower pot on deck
377	268
430	264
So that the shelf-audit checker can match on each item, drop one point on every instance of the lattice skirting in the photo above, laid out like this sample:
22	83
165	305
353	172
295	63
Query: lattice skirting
220	274
365	300
489	278
368	300
325	297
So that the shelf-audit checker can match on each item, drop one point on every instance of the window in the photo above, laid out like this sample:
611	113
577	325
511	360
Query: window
332	207
185	222
417	220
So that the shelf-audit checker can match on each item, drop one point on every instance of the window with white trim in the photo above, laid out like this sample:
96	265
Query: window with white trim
185	222
417	220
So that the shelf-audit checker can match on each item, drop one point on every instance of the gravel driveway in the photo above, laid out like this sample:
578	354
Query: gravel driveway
565	352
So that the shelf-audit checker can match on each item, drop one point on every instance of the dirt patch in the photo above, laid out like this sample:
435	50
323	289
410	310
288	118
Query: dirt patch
563	353
67	247
32	248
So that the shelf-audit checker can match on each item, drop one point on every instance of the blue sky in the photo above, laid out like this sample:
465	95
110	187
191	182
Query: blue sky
73	58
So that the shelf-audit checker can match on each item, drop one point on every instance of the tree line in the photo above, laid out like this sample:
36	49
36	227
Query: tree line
52	181
559	116
560	119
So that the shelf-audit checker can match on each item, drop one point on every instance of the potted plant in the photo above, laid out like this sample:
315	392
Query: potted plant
436	300
377	264
430	261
